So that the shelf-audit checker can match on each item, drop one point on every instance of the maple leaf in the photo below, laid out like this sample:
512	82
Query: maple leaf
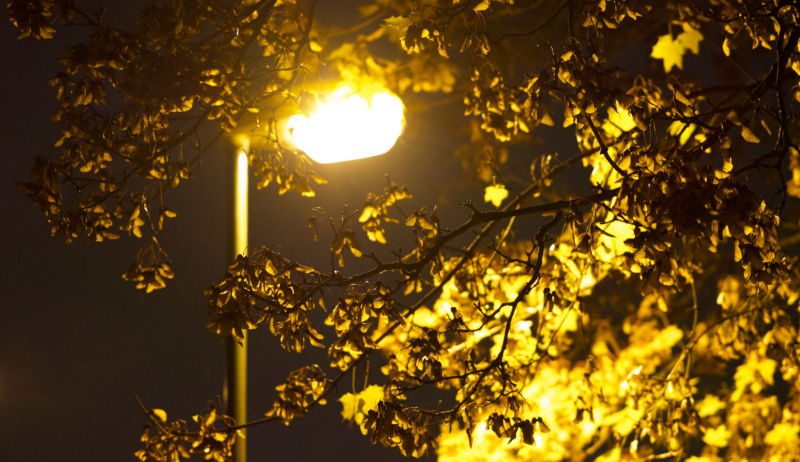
356	407
496	194
671	51
690	39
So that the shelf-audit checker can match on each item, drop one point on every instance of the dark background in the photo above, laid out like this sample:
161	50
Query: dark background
77	342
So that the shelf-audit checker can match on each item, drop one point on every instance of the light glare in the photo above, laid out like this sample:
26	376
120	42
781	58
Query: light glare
349	126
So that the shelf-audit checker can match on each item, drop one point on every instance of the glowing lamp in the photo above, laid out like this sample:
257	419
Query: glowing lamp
348	125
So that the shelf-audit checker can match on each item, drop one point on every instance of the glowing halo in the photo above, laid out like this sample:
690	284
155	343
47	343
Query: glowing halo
349	124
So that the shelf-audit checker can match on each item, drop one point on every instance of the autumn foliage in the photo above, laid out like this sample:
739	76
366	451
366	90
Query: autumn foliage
651	315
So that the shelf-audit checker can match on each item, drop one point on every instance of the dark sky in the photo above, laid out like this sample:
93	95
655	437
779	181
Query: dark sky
78	342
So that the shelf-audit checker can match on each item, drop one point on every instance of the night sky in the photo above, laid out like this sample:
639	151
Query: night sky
78	342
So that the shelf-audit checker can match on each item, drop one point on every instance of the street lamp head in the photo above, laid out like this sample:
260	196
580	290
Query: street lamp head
350	123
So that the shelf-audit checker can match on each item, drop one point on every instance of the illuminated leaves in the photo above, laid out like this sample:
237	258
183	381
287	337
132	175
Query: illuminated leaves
718	437
270	164
709	406
483	5
303	387
784	434
420	31
548	326
398	22
149	271
754	375
672	50
508	428
392	426
611	238
172	441
352	318
216	433
690	38
160	413
376	209
681	130
116	154
495	194
346	237
164	213
356	407
264	277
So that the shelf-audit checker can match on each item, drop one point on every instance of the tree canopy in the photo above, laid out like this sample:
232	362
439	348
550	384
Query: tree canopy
650	315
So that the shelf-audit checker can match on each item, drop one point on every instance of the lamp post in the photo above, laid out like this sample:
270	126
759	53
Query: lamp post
350	124
235	389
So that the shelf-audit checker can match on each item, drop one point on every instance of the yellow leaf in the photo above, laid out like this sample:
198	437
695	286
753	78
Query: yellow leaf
747	374
496	194
356	407
613	455
690	39
718	437
623	421
611	242
709	406
783	433
749	136
766	369
482	5
726	46
667	338
727	165
677	128
425	317
398	22
619	120
671	51
161	414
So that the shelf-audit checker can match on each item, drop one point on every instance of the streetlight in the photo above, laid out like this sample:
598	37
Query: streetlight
350	123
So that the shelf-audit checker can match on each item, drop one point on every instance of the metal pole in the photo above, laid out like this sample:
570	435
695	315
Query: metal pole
235	392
